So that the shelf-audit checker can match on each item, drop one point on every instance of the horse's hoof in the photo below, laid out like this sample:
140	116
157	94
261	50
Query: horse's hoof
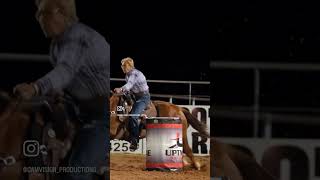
186	162
197	165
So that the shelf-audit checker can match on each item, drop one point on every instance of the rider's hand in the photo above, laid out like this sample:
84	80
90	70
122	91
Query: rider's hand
25	91
118	90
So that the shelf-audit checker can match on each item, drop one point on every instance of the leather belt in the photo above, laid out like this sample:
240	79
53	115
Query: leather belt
140	94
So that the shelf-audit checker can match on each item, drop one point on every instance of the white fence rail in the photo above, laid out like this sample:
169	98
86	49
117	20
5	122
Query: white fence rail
42	58
189	97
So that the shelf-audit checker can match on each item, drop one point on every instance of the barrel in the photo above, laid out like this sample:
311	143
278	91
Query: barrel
164	147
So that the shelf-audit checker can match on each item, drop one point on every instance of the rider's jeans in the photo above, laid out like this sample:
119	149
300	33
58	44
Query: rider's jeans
138	107
90	149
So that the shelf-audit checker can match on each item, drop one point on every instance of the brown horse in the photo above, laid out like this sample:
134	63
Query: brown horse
227	161
15	120
160	109
13	126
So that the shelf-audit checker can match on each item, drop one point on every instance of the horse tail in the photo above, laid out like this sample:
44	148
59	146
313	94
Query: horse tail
196	124
248	166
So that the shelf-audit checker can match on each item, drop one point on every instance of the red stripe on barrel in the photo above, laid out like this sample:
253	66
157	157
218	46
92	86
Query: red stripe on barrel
154	126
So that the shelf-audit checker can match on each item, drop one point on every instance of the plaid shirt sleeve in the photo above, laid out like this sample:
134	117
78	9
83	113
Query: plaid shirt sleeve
131	79
81	64
70	60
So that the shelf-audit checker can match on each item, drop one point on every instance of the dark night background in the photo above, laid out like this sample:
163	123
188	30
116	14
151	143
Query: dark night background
167	40
266	31
176	40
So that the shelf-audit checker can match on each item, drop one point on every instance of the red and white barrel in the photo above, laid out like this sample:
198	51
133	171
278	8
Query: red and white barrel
164	144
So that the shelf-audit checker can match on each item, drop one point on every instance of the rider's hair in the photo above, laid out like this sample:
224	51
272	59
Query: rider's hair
128	61
66	7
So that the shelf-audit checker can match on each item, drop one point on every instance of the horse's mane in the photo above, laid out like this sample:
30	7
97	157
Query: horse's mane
114	101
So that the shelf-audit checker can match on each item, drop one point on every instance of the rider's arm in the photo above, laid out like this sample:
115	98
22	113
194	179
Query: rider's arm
132	77
69	60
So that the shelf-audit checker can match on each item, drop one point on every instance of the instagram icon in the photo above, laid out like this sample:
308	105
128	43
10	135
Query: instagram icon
31	148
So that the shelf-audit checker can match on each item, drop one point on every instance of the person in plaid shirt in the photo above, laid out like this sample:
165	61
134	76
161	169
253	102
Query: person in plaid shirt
136	84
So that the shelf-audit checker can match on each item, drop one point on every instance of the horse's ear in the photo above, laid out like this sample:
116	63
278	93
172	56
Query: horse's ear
111	92
4	99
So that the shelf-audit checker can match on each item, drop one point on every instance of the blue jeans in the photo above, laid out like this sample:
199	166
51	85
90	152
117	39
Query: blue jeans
90	148
138	107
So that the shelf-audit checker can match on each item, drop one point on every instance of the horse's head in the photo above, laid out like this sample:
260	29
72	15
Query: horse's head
120	104
13	125
8	107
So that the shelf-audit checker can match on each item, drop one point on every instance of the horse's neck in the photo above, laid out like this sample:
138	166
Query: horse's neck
114	101
13	128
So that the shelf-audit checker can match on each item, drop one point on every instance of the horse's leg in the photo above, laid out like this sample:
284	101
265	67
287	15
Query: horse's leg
187	149
168	110
186	146
143	133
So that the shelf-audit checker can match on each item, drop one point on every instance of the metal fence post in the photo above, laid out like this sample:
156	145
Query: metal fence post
190	92
268	126
256	102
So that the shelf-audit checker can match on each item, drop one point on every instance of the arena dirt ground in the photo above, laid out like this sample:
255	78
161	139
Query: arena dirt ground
132	167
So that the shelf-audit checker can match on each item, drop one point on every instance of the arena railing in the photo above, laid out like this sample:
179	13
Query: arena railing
192	98
24	57
267	117
41	58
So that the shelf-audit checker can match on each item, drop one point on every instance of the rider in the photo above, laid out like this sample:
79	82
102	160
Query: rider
80	57
136	84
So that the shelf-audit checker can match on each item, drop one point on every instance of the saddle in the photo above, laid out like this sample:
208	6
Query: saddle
53	127
55	130
130	99
150	111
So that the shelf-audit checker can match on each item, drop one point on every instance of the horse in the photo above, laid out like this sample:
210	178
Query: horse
17	120
13	127
118	124
233	163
